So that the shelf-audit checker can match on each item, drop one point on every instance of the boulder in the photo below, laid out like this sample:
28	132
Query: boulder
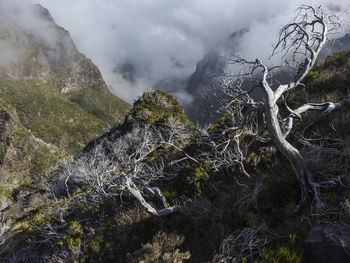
328	244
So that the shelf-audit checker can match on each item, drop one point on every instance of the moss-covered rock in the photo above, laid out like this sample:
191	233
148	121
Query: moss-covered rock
158	106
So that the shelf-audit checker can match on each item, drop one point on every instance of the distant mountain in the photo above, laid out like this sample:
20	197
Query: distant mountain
201	86
339	44
53	100
49	56
202	82
343	43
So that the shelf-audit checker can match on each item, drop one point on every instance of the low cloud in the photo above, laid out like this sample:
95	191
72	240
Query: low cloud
164	39
8	53
22	15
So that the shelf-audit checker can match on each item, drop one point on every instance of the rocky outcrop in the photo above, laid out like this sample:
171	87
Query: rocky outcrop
83	74
152	108
328	244
26	201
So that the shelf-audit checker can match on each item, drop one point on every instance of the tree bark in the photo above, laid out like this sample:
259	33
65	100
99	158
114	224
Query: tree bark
135	192
292	154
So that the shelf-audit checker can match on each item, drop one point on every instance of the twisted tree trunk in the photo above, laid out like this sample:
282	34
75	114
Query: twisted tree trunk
291	153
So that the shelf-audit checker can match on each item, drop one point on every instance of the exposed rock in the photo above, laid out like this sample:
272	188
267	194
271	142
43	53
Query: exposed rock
83	74
47	58
200	86
328	244
152	108
27	201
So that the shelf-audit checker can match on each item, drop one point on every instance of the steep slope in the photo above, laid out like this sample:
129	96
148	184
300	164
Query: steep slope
85	211
91	223
152	112
24	158
53	99
54	88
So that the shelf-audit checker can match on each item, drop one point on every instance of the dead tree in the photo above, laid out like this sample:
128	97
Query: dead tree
128	163
300	40
242	244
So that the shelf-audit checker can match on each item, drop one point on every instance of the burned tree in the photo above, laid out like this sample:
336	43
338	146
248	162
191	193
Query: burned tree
301	40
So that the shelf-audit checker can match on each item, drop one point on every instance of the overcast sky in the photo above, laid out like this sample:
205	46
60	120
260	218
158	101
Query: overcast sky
166	38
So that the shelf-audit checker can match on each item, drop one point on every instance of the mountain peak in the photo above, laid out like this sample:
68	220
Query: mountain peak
43	12
44	52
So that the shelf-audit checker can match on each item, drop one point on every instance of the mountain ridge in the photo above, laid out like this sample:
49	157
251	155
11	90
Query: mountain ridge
53	100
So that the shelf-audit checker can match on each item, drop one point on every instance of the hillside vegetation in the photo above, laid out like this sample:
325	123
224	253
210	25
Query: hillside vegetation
95	218
53	101
84	177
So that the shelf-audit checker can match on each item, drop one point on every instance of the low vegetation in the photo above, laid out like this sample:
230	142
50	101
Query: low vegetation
159	189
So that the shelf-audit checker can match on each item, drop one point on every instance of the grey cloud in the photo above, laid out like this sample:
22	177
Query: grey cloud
31	20
8	53
154	36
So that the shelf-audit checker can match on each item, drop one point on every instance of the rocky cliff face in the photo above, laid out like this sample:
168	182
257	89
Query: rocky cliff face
55	89
53	100
201	87
52	55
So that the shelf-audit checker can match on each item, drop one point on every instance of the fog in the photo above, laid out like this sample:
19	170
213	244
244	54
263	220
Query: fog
8	53
20	14
151	40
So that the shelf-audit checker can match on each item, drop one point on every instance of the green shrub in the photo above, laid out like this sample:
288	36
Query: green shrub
314	74
192	176
74	234
282	254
